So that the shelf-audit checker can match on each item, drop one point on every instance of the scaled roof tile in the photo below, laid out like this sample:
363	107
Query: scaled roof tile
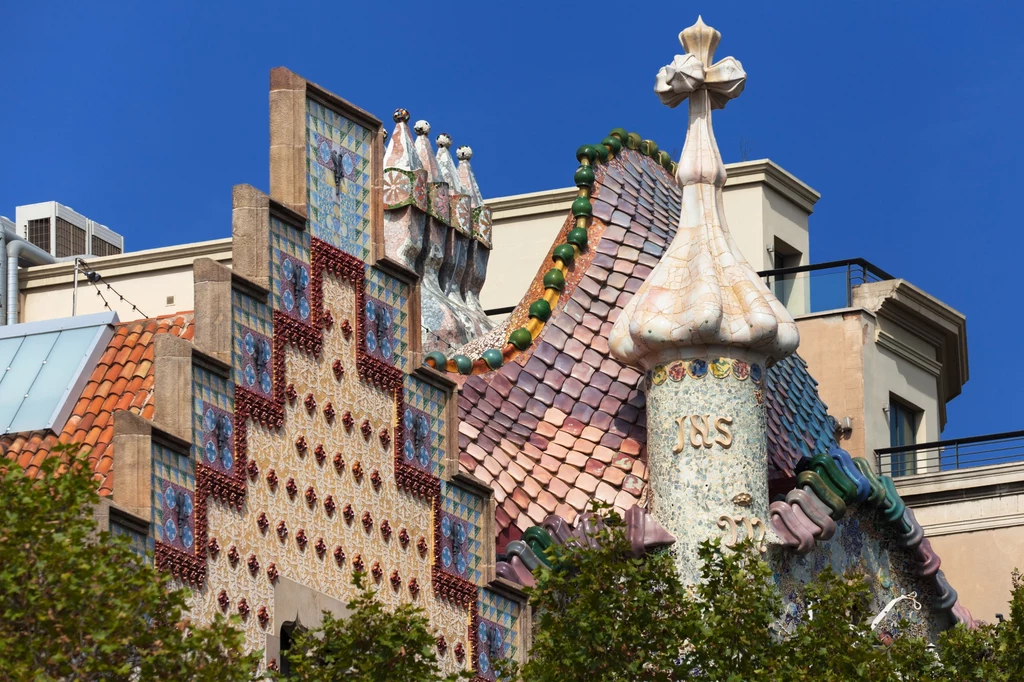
592	431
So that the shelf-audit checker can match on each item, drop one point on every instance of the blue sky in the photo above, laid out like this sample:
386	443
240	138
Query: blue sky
905	116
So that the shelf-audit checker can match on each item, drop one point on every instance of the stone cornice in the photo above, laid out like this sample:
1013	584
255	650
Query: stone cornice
928	318
743	173
164	258
961	485
774	176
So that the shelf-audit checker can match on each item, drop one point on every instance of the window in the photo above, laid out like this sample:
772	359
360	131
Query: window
903	423
39	233
785	257
70	239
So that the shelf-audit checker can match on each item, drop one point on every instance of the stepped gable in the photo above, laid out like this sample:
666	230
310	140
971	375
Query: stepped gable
122	380
563	422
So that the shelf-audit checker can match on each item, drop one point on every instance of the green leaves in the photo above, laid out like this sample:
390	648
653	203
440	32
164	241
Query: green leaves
603	615
77	604
371	644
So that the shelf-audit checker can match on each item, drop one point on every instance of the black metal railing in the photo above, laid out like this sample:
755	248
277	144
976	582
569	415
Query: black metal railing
833	284
946	455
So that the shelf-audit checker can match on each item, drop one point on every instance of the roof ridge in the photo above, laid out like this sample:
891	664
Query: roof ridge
563	255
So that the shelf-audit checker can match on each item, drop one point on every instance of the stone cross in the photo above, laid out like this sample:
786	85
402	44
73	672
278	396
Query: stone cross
705	328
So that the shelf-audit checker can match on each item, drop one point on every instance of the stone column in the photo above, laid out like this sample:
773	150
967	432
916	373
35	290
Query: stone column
704	327
706	450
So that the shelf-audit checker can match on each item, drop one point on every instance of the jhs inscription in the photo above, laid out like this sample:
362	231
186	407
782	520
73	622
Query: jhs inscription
703	430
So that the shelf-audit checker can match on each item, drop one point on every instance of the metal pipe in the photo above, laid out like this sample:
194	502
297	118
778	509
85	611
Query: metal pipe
3	275
29	252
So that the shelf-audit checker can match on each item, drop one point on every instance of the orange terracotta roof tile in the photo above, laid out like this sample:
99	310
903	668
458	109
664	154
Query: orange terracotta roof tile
122	379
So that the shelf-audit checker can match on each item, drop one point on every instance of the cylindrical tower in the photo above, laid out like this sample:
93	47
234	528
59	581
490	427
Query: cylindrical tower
704	328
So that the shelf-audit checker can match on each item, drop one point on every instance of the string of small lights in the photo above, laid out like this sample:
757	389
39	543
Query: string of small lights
96	279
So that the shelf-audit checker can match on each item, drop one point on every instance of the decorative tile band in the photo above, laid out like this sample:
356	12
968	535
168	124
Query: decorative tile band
563	255
698	368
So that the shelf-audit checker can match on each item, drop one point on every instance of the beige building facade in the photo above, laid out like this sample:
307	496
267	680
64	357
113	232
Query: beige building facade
891	347
768	210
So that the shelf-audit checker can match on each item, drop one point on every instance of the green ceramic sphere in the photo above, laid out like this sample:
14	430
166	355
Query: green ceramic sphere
602	152
577	237
564	253
614	143
463	364
554	279
586	152
665	160
540	309
633	141
440	361
584	176
582	207
619	133
493	358
521	338
649	148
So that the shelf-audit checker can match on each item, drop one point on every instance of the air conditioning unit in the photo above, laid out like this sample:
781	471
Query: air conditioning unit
64	233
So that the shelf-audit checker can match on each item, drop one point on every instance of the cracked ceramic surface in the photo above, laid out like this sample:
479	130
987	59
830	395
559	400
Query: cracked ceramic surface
702	293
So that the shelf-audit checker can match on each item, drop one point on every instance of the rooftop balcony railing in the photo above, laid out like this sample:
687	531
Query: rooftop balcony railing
833	283
947	455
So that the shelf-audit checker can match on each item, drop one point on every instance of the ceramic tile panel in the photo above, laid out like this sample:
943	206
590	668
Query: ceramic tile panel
253	346
498	631
870	549
461	540
140	543
386	316
338	154
425	427
290	270
213	420
173	481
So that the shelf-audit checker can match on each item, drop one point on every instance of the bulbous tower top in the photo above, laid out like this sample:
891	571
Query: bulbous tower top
702	297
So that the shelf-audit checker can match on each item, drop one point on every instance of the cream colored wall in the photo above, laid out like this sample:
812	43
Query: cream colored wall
145	279
978	566
833	347
761	201
974	519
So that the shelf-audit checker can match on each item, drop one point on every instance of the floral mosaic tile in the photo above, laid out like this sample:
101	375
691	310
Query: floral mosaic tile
386	317
173	484
338	177
213	421
290	270
461	539
425	428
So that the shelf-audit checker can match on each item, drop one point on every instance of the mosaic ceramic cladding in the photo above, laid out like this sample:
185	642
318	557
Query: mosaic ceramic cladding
859	546
707	456
173	492
213	421
253	345
425	425
316	444
461	540
289	254
338	179
498	633
386	311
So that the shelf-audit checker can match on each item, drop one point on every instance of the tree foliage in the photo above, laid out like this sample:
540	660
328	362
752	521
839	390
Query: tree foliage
602	615
371	644
77	604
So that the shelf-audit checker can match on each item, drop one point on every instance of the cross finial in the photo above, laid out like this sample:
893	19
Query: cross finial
694	71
